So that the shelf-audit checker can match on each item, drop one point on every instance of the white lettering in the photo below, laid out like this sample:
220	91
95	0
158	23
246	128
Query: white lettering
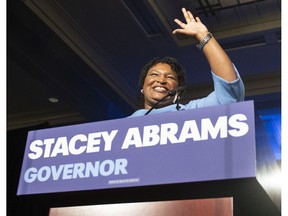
56	172
61	147
132	138
241	128
30	175
77	170
36	150
189	131
160	135
72	144
168	132
120	166
109	165
151	135
93	142
48	145
92	169
78	144
67	172
108	138
44	173
208	128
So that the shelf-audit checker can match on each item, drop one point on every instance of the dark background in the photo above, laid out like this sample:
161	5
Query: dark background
88	54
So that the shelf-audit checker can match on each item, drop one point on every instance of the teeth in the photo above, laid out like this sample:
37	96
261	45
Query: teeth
160	88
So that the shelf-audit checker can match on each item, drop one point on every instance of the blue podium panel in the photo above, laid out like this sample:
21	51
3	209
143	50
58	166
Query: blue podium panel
213	143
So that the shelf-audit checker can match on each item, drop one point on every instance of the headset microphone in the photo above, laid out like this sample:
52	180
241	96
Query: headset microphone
171	93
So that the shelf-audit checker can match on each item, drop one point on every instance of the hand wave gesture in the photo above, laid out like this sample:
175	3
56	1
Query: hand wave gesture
193	26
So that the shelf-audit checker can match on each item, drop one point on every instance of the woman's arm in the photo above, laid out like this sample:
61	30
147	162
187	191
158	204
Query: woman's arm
217	58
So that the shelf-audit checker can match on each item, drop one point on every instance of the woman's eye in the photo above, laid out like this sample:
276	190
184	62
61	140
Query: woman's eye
171	77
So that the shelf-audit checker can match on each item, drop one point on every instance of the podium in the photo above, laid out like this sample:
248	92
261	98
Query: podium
204	155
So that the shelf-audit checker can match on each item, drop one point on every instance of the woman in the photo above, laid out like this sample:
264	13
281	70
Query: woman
160	76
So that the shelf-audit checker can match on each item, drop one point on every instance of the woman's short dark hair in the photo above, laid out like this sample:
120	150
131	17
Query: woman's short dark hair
174	64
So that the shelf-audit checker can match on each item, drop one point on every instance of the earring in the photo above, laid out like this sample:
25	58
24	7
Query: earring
142	91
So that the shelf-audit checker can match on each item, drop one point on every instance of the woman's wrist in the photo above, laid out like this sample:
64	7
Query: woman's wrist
204	41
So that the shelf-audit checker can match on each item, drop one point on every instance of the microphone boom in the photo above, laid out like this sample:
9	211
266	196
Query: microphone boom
169	94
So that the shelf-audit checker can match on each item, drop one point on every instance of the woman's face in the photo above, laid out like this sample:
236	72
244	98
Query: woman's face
159	80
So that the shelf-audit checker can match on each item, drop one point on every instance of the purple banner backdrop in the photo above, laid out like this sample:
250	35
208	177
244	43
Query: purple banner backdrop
204	144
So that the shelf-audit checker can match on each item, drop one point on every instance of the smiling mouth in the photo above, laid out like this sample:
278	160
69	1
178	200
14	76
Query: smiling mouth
160	89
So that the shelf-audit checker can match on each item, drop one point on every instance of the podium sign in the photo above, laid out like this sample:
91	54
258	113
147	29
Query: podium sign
212	143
